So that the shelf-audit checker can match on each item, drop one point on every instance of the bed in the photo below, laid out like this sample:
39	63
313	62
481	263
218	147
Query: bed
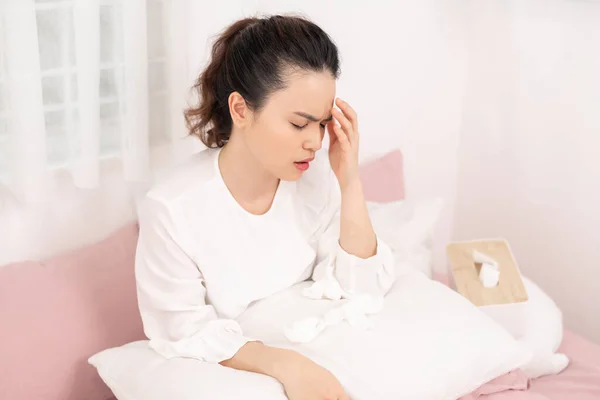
579	381
90	293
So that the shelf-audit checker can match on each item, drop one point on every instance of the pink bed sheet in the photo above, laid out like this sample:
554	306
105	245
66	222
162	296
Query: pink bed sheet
579	381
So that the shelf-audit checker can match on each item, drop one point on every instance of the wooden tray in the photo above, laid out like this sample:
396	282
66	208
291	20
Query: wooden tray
465	272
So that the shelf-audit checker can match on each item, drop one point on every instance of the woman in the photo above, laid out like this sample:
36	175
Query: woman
261	209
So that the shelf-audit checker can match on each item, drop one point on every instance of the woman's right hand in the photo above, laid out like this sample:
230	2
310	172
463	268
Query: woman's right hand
301	378
304	379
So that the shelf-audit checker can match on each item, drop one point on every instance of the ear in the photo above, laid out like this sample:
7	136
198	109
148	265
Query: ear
238	108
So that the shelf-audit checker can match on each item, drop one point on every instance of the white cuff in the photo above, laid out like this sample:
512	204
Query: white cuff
218	341
372	275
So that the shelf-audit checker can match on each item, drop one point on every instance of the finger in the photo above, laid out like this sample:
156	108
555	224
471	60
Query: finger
349	112
347	125
344	123
342	137
331	132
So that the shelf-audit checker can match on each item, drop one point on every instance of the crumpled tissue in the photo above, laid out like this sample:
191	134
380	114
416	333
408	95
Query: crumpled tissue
354	310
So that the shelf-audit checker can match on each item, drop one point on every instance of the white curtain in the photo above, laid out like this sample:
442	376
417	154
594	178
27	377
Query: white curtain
529	159
84	81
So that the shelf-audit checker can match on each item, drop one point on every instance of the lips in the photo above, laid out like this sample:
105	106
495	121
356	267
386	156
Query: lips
304	164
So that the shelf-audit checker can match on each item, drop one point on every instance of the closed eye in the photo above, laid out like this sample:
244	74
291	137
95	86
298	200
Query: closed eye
297	126
323	126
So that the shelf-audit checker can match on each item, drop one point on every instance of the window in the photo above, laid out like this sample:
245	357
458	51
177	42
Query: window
59	80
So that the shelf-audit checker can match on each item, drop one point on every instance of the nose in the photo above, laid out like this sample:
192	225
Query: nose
314	139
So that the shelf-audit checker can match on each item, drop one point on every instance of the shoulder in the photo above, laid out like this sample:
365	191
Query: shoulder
190	179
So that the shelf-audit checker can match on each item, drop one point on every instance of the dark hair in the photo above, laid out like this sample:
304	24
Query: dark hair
250	57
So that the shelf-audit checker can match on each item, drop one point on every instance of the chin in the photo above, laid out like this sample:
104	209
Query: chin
291	175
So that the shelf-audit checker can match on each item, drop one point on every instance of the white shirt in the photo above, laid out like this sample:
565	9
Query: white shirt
202	259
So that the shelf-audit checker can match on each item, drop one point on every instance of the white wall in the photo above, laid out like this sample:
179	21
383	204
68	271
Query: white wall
529	161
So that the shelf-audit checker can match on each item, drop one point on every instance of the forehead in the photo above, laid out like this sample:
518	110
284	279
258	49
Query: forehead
310	92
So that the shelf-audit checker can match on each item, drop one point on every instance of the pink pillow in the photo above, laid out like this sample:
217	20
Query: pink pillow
57	313
383	178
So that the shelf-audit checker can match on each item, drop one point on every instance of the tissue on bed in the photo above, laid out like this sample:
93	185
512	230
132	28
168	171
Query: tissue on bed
354	310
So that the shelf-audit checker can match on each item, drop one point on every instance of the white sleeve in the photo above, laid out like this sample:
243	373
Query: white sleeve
373	275
172	295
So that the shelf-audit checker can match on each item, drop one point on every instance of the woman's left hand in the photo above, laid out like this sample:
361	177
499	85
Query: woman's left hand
343	144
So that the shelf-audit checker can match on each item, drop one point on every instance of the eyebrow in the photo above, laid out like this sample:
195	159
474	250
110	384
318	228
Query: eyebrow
313	118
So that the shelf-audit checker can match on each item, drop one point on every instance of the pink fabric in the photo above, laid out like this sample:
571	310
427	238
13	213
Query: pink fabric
383	178
57	313
579	381
515	380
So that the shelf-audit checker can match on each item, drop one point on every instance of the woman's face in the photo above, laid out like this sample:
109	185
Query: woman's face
289	129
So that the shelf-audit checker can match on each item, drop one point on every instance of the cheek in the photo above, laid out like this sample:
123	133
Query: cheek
276	142
284	137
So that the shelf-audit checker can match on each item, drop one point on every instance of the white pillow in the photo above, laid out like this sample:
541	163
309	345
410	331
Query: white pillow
407	226
536	324
428	343
136	372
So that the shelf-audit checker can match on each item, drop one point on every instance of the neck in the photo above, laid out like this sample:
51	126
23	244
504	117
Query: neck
244	176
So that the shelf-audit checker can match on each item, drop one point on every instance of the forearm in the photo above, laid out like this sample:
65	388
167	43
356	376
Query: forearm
299	375
259	358
357	236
